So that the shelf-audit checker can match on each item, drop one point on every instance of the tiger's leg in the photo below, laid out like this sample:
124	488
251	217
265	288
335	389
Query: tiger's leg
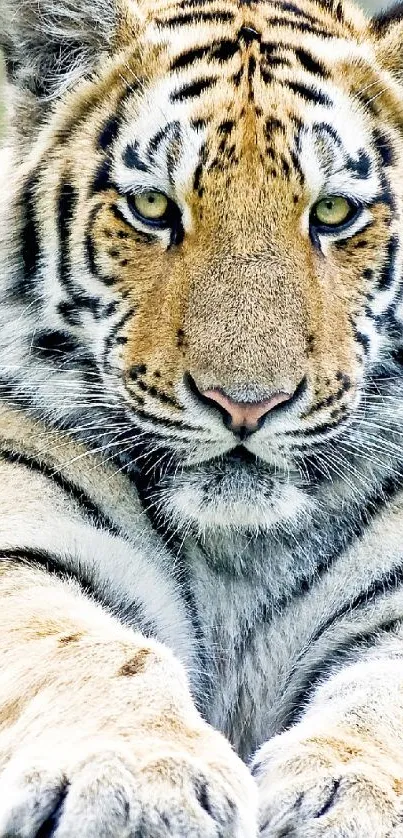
339	772
98	733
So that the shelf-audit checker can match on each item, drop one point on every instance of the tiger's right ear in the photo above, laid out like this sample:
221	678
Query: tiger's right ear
49	44
387	30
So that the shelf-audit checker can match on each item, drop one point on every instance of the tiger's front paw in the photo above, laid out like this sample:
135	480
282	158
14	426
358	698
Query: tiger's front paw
156	791
333	785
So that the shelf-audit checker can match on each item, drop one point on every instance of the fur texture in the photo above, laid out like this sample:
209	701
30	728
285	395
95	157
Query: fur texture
157	566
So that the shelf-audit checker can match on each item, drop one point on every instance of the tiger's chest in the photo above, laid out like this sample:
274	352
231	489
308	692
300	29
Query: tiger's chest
254	627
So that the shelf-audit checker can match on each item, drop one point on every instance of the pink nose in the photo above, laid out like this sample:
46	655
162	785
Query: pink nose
244	417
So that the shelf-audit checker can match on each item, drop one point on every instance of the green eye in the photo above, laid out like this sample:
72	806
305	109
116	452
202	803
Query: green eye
152	206
333	211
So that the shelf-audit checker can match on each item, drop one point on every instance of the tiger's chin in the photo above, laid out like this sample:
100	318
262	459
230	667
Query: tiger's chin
225	495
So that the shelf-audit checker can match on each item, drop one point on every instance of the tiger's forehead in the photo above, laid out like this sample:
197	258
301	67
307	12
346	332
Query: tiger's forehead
233	84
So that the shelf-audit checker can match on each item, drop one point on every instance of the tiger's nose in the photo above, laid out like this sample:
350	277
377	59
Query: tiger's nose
244	418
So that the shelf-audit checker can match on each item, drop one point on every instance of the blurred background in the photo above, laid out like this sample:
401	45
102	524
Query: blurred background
371	6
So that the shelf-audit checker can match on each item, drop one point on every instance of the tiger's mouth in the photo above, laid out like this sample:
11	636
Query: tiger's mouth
234	491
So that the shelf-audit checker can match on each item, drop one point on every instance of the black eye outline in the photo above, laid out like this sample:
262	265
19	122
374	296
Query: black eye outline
171	220
319	228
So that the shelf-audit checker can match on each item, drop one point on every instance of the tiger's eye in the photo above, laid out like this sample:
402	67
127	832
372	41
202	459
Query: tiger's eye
332	211
151	205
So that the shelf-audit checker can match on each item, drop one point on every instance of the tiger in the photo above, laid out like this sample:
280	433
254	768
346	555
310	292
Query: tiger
201	373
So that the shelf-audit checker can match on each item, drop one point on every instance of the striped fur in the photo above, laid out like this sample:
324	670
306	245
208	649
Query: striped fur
159	574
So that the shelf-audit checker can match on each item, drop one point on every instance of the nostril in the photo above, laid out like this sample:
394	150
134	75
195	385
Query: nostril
247	415
242	417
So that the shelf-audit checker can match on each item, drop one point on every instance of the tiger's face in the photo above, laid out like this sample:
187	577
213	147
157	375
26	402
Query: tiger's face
220	229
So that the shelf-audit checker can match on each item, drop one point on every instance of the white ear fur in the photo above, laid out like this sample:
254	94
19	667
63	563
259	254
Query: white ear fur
49	43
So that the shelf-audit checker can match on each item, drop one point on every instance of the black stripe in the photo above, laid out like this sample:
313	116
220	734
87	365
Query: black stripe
310	94
132	159
71	489
195	18
197	177
111	337
387	274
363	339
297	166
30	238
359	166
88	581
336	659
68	312
190	57
296	11
66	209
192	89
300	26
219	50
44	560
102	179
386	583
324	128
312	65
273	124
159	137
89	244
224	50
384	147
226	127
106	279
109	132
56	344
248	34
382	21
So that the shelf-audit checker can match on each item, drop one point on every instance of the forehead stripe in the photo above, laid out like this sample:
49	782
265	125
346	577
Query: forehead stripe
196	18
311	64
189	91
219	50
300	26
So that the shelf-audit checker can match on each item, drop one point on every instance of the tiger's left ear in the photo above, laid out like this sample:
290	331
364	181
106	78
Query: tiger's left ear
387	31
49	44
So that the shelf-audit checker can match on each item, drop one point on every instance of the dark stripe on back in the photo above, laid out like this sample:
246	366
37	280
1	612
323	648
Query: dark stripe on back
157	139
190	57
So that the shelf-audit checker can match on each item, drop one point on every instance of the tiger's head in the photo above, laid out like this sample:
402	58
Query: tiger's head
207	202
